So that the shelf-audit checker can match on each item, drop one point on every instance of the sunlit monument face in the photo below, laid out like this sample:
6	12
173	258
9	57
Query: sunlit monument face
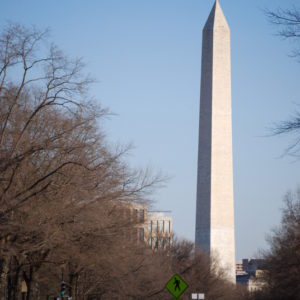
215	208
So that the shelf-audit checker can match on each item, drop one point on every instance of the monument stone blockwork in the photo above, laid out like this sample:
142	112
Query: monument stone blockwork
215	205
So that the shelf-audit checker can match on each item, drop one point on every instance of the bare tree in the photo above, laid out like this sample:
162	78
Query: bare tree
288	23
61	184
202	274
281	276
43	137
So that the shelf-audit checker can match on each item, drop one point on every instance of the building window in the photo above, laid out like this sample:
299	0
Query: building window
135	215
161	243
167	226
150	227
150	242
168	243
154	227
161	226
135	235
142	215
141	234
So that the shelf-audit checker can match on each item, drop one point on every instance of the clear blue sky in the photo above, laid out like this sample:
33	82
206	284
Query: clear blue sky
146	55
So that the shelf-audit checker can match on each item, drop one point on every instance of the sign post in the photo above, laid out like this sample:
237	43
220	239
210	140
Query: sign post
176	286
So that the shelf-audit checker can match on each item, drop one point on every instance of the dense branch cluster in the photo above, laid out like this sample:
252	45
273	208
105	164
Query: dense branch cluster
281	275
288	23
61	185
287	19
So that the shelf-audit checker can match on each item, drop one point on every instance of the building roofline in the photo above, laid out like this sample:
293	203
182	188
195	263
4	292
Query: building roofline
162	211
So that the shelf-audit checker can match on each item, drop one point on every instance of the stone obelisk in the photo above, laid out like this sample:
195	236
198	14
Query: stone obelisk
215	208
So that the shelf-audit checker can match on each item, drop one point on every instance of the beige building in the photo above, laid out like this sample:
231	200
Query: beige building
159	229
151	227
138	215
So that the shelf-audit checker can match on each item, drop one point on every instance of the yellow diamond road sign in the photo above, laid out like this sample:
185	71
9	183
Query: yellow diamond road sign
176	286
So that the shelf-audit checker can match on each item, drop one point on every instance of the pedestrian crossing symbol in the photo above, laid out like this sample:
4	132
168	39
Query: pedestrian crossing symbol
176	286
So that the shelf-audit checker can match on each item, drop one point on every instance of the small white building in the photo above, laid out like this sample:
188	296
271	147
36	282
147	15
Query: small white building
249	273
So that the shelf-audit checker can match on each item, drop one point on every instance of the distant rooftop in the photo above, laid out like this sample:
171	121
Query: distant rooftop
162	211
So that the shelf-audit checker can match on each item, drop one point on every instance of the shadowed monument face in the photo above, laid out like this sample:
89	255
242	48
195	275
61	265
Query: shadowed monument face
215	205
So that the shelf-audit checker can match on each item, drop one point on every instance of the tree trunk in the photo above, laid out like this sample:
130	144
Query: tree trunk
15	284
71	277
28	280
8	287
3	278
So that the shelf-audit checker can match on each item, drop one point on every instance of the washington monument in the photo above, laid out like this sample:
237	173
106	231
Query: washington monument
215	208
